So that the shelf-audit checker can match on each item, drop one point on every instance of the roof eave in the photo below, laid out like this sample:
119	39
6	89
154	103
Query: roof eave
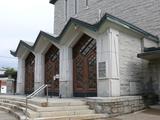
52	1
92	27
151	55
50	38
132	27
13	53
23	44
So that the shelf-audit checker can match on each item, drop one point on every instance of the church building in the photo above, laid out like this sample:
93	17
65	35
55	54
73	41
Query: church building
99	48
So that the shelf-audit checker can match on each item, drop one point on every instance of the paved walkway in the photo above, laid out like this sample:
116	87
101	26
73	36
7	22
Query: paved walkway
6	116
148	114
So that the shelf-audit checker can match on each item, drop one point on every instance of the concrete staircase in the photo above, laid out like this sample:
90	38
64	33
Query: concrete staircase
57	109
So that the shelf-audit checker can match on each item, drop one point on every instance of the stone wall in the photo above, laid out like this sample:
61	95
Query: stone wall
134	72
131	70
114	106
142	13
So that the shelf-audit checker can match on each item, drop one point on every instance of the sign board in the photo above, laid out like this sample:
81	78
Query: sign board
3	89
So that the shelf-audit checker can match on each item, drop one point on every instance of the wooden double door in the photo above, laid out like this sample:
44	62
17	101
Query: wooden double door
51	69
84	67
29	73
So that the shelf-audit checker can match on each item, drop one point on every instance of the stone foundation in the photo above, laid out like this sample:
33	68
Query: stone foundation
114	106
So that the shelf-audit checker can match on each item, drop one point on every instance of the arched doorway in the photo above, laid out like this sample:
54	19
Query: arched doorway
85	67
51	69
29	73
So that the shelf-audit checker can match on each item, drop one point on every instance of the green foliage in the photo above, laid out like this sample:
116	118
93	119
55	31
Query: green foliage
10	72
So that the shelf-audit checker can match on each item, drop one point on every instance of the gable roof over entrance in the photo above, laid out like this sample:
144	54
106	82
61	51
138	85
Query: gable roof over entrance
92	27
30	45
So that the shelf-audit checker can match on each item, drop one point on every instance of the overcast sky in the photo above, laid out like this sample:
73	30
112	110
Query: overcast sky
22	20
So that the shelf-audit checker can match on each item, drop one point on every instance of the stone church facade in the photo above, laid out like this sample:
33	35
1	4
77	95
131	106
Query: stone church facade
99	48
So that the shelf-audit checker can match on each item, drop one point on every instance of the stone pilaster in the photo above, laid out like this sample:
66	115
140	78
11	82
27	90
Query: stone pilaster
20	76
39	72
65	81
108	83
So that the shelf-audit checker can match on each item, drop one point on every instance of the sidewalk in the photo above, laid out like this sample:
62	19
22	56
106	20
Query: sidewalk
148	114
6	116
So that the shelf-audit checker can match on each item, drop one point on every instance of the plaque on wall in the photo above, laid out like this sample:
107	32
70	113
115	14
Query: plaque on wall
102	70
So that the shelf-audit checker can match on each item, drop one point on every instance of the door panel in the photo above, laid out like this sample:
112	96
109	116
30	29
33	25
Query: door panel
51	69
84	67
29	73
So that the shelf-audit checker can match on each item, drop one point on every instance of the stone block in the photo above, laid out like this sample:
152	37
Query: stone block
107	109
114	110
127	109
121	110
125	103
98	109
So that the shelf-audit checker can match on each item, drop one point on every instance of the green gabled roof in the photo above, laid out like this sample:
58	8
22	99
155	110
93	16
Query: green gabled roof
23	43
53	1
30	46
95	27
92	27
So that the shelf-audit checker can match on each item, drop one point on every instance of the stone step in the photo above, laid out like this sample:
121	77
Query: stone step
51	103
30	113
47	109
23	104
76	117
51	109
65	108
65	113
57	109
65	103
17	114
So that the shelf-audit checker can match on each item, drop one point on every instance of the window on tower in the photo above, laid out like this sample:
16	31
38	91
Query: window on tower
66	9
76	7
86	3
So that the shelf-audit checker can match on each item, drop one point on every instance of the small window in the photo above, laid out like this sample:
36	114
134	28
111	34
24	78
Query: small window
86	3
76	9
66	9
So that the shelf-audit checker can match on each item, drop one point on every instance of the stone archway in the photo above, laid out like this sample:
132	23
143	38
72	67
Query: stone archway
29	73
85	67
51	69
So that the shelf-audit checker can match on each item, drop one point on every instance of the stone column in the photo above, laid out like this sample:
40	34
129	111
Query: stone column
65	81
108	83
20	76
39	72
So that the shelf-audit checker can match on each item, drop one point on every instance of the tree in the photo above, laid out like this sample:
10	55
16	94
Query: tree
10	72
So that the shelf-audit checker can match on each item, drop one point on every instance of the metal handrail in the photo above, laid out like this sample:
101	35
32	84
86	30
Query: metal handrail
35	91
34	94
